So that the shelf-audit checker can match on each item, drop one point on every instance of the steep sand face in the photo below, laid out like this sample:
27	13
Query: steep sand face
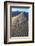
16	22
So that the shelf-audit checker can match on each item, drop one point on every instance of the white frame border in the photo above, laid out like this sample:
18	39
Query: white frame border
30	24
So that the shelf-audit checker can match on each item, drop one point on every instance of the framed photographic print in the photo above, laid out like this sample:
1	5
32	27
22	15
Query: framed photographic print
18	22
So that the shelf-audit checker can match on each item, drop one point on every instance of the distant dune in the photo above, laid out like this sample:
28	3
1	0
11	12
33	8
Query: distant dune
19	25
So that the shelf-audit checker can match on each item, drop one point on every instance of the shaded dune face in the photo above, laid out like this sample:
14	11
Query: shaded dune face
17	22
